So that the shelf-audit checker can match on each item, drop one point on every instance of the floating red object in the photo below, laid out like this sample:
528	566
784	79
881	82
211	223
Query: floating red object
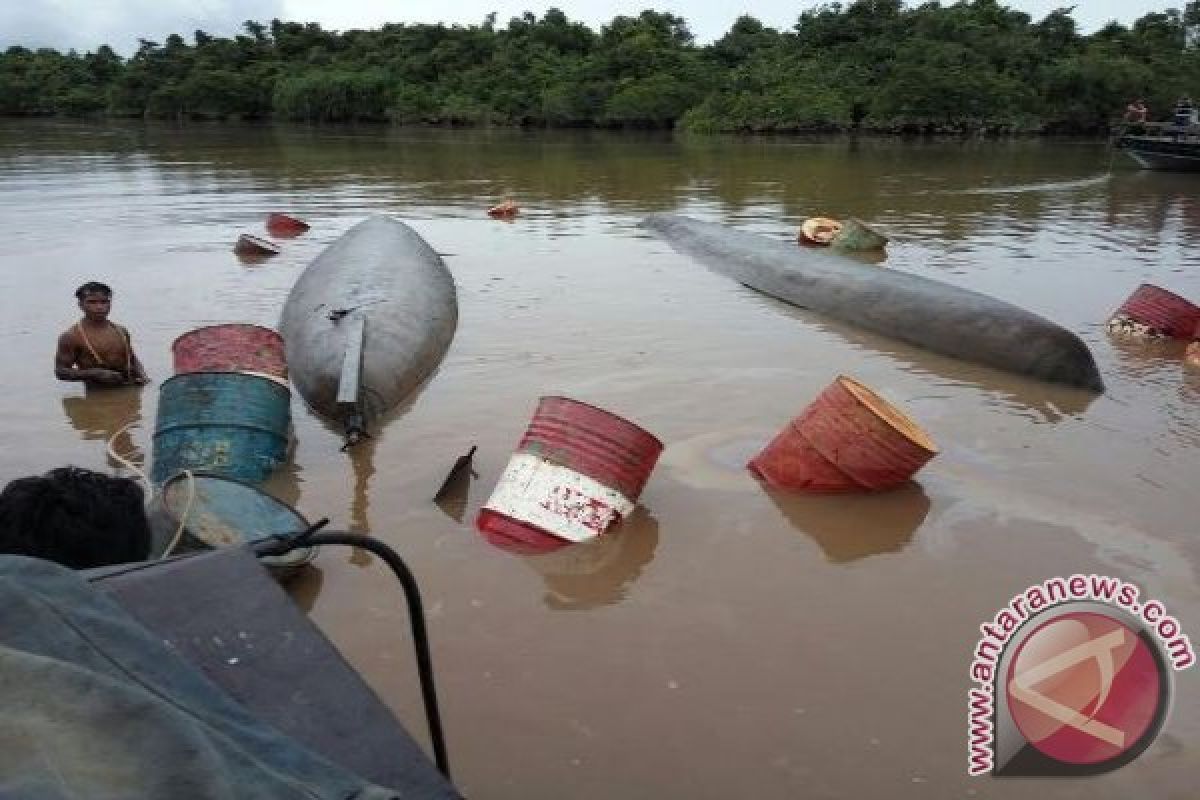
849	440
253	245
231	348
1164	313
284	225
506	210
576	472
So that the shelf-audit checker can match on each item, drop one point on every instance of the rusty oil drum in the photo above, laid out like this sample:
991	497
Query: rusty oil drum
228	423
231	348
1163	312
848	440
576	472
210	511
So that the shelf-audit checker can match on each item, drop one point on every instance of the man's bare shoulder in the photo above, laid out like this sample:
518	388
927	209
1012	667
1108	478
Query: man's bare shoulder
70	337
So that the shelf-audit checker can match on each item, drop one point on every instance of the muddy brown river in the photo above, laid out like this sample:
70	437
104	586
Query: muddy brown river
726	641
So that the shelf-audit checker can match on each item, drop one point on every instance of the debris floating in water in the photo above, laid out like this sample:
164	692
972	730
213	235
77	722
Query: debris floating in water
1153	312
285	225
848	440
253	245
506	210
855	236
818	231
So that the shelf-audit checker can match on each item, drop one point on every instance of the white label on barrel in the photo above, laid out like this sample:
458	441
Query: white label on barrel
556	499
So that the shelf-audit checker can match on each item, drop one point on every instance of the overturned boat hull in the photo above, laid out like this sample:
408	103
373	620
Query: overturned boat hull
367	322
923	312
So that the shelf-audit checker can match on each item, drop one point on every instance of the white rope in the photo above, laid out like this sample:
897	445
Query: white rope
187	510
124	461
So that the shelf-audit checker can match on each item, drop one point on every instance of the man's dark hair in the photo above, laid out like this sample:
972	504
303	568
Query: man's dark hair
93	287
76	517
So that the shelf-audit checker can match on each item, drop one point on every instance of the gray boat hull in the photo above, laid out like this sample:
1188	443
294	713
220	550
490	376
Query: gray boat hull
382	281
927	313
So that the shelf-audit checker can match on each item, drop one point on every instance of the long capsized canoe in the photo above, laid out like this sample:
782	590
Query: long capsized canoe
367	321
927	313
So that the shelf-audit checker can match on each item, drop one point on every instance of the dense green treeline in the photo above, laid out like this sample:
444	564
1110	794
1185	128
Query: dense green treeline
868	64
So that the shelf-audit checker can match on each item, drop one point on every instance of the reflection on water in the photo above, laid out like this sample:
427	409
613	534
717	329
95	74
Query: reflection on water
305	586
100	413
850	527
598	572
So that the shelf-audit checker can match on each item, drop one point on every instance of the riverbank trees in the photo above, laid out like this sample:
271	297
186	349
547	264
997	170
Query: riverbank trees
868	64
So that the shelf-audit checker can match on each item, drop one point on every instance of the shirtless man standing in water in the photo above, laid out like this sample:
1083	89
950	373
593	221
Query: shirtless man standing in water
96	350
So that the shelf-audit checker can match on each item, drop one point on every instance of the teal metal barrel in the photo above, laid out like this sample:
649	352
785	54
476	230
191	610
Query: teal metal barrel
224	423
200	512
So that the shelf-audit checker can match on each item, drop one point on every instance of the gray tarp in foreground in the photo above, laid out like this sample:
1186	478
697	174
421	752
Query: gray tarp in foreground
94	706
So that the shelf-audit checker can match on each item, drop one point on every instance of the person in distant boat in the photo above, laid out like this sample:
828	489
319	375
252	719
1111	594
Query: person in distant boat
95	349
1185	112
75	517
1137	112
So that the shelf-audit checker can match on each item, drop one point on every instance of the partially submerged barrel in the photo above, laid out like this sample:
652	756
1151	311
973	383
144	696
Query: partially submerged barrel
576	472
227	423
849	440
230	348
285	225
217	511
254	246
1152	311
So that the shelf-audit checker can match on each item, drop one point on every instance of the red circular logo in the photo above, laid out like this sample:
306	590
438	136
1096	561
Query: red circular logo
1084	688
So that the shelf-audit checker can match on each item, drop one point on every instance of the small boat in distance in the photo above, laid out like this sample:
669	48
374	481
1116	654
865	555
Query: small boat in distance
1163	146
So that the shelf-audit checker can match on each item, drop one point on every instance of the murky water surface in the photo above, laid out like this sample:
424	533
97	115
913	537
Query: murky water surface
727	641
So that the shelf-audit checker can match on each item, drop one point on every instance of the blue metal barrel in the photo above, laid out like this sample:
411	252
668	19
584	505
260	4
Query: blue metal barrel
221	512
225	423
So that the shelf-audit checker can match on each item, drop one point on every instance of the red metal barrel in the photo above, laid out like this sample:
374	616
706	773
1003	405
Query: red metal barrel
576	472
284	225
1164	312
850	439
254	246
231	348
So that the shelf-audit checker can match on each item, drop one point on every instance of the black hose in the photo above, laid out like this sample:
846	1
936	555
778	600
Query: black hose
278	545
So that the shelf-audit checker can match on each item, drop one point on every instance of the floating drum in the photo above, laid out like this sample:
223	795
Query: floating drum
226	423
506	210
222	512
248	245
818	230
849	440
230	348
283	225
1154	312
577	471
855	236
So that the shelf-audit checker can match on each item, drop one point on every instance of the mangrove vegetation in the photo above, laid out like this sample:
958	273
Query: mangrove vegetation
878	65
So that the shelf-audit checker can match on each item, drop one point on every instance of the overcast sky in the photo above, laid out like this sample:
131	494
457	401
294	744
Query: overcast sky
86	24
